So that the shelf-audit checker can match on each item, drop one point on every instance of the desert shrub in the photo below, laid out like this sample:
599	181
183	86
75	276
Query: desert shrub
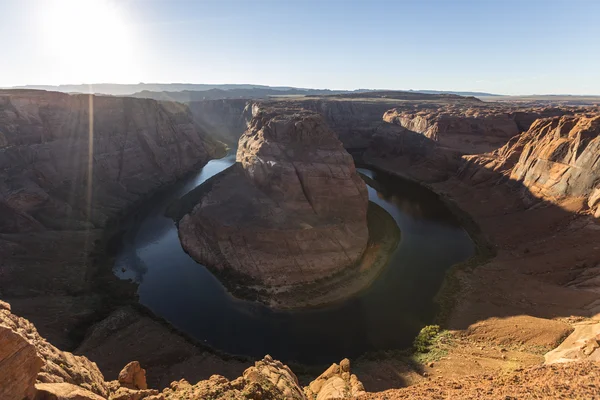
425	338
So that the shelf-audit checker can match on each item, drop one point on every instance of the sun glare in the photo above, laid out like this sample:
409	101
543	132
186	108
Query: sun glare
89	39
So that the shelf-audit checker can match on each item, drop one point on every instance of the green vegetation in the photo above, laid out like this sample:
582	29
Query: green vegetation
431	344
425	338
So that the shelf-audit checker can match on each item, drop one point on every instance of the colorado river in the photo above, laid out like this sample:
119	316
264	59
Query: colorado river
388	315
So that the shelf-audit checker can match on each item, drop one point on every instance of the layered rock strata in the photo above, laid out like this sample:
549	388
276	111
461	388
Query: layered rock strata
561	158
75	161
291	211
469	129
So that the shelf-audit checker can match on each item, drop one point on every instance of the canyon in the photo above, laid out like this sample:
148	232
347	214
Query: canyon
523	179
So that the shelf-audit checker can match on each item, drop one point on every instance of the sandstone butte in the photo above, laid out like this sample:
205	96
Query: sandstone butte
521	318
291	211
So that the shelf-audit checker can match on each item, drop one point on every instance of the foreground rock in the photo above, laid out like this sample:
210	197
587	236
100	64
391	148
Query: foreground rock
292	210
41	361
19	363
267	379
31	368
133	376
335	383
582	344
63	391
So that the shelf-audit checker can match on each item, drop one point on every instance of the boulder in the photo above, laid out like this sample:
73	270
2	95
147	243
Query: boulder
582	344
19	365
64	391
133	376
20	338
335	383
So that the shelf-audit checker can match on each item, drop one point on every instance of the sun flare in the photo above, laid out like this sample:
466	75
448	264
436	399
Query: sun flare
90	38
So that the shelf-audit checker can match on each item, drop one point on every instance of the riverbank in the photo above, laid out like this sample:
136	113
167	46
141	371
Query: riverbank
484	250
514	300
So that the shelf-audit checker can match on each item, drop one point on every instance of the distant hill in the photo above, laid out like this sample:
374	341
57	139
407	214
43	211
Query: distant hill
234	93
126	89
475	94
211	91
404	95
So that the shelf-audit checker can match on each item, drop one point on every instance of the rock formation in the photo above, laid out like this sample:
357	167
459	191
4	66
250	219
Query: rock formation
582	344
75	161
41	361
471	129
19	363
561	158
133	376
335	383
31	368
291	211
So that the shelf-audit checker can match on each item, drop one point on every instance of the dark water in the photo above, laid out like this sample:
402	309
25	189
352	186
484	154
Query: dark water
386	316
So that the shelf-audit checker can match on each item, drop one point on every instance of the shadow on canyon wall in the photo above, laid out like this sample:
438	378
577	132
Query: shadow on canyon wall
537	257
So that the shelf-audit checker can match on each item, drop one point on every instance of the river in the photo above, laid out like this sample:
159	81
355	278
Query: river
386	316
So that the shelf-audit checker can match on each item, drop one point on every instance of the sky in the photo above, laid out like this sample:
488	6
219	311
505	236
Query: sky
497	46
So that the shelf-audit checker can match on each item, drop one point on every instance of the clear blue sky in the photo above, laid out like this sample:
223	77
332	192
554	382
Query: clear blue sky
500	46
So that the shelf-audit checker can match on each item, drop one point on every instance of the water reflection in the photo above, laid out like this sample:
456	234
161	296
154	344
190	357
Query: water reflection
386	316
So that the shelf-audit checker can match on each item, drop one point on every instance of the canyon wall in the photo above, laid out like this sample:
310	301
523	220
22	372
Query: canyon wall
556	159
68	165
74	161
470	129
561	158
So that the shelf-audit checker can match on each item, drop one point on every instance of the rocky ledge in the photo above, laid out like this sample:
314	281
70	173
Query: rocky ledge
291	212
31	368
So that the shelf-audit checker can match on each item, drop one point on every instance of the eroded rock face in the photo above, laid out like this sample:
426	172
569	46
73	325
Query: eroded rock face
74	161
470	129
19	366
561	158
291	211
56	366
